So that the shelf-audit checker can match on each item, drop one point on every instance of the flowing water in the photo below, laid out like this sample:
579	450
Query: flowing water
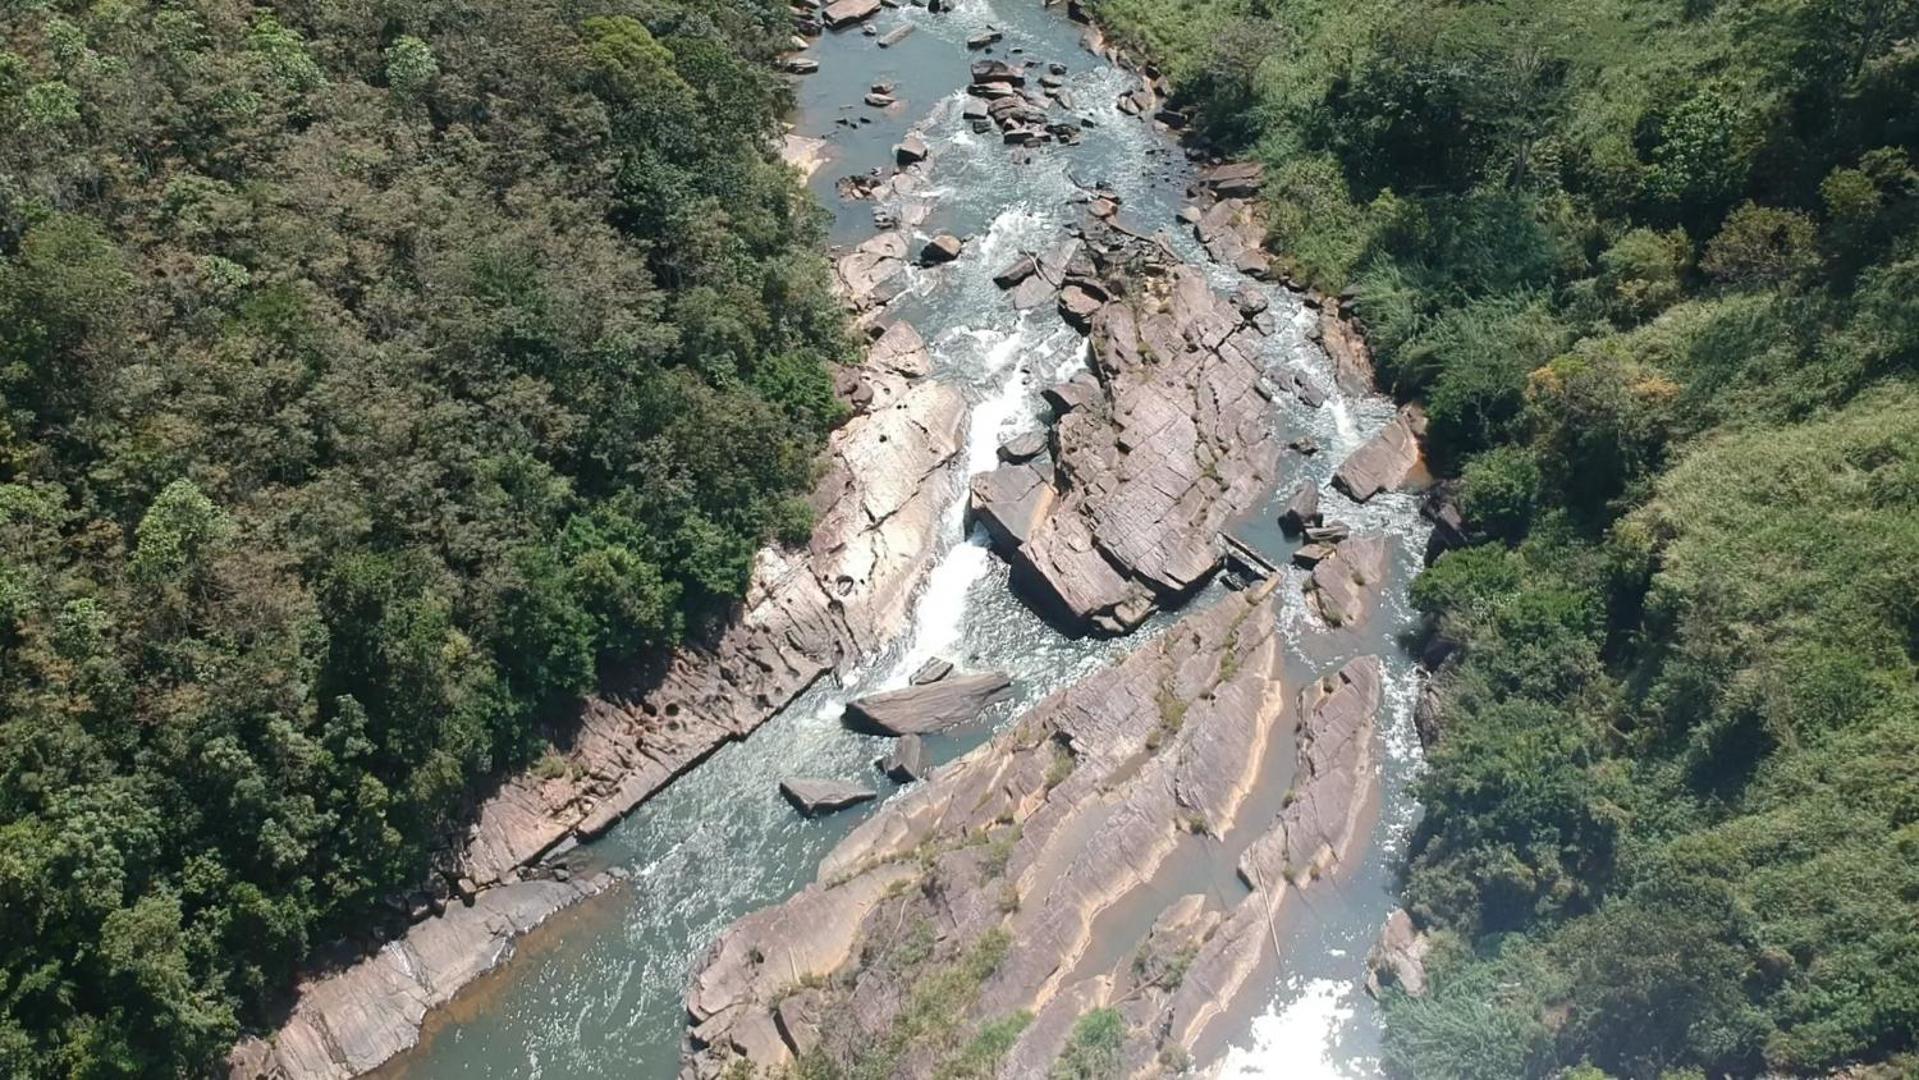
598	991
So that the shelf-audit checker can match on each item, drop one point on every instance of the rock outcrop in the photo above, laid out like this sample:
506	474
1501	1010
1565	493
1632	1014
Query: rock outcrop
1155	451
818	795
1346	346
844	13
1302	509
926	708
350	1022
1033	874
1398	958
1343	584
806	613
1389	461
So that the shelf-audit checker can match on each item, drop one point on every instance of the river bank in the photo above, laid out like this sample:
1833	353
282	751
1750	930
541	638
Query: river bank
938	593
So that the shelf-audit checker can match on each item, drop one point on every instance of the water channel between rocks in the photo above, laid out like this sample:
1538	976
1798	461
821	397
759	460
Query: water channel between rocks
597	992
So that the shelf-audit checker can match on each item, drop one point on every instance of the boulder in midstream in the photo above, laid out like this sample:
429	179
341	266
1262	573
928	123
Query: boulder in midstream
1343	585
1156	450
929	707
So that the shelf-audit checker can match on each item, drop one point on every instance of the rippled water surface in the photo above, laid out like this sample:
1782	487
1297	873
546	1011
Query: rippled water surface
598	992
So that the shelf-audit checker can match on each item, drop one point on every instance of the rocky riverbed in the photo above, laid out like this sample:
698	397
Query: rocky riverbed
1083	407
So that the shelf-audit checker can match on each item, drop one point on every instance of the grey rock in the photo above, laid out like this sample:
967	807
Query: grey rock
1023	448
1022	268
910	150
1238	180
932	671
1398	958
943	248
1389	461
814	795
934	707
1343	585
1078	306
1302	509
1010	501
906	761
997	71
843	13
1075	393
1332	532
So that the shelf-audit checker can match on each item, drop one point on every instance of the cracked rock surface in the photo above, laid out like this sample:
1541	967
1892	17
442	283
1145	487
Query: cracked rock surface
1168	440
1041	872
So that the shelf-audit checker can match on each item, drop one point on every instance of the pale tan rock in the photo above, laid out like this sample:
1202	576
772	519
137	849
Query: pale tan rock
350	1022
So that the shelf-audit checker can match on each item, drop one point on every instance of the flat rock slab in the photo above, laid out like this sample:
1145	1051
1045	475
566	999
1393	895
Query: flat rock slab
1389	461
1343	585
906	761
933	707
843	13
813	796
932	671
1022	448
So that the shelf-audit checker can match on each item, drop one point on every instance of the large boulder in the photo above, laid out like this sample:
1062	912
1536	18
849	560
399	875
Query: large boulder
1077	306
1155	453
1236	180
997	72
1343	586
1302	510
1389	461
943	248
813	795
929	708
906	761
1398	958
1011	500
910	150
1019	270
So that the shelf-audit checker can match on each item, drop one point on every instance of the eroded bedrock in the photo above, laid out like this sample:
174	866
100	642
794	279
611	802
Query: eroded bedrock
807	612
1046	874
1150	455
349	1023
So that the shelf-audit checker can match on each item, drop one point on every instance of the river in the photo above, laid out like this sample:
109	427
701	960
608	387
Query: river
597	992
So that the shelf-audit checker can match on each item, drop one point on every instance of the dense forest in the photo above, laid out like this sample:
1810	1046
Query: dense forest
370	373
1653	266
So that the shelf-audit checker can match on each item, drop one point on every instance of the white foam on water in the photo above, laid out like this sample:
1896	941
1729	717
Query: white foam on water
1299	1040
